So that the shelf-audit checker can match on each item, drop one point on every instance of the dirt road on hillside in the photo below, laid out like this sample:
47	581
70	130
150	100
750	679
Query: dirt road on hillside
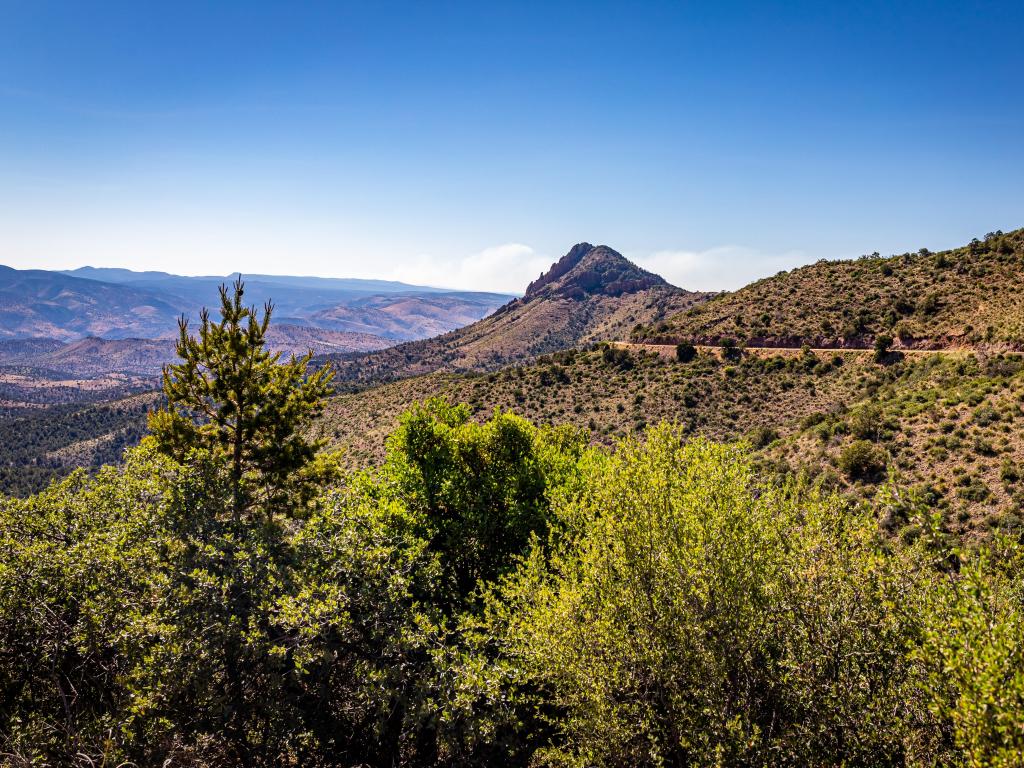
669	350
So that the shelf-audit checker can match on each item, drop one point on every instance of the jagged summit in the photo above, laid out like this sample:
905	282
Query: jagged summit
588	270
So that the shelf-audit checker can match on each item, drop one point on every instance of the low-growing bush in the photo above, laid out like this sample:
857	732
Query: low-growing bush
862	460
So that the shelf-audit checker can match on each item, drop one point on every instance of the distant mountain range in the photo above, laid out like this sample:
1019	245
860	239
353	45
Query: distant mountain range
93	356
89	321
335	314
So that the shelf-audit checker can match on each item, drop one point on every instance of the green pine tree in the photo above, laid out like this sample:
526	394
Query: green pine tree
239	416
240	402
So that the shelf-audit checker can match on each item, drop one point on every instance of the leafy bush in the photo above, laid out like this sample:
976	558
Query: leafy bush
862	460
971	647
691	616
866	422
762	437
481	489
618	358
883	342
685	352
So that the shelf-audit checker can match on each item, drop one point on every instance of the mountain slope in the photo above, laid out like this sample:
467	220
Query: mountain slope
962	297
591	294
40	445
38	303
949	424
404	317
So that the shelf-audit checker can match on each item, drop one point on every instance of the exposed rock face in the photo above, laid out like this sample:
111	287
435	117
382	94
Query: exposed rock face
588	270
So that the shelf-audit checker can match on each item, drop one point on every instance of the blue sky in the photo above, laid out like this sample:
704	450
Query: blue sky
470	144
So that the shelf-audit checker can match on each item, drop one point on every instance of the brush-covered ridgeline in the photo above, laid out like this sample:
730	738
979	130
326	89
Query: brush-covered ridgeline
497	594
920	376
966	297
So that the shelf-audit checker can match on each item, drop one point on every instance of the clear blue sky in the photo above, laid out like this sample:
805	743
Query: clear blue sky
470	144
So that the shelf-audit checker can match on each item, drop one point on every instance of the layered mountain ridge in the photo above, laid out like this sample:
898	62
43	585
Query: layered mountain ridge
118	303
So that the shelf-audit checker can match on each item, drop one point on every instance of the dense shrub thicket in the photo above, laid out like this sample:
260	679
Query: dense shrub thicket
497	593
493	594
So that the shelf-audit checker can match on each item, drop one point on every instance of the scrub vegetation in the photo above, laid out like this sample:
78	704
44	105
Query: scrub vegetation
498	592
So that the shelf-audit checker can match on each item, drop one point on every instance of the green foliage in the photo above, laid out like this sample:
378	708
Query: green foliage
763	436
861	460
233	398
883	342
142	622
71	566
496	593
482	489
47	443
730	348
685	352
972	648
866	422
617	357
697	617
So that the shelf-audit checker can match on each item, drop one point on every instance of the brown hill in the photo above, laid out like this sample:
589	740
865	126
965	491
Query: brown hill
404	317
962	297
38	303
591	294
94	356
299	339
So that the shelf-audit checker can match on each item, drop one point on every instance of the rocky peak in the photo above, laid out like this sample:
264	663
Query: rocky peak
588	270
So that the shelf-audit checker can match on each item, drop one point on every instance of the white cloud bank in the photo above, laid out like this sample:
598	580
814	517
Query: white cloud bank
726	267
507	268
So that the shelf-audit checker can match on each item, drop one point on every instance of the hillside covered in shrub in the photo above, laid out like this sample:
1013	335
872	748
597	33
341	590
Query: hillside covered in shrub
709	557
961	297
498	593
949	424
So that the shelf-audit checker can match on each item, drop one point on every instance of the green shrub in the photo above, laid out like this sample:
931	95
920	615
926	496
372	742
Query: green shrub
1009	472
761	437
862	460
696	617
685	352
883	342
973	651
866	422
